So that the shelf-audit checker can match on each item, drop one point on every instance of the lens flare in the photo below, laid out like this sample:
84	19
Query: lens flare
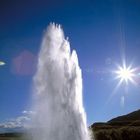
2	63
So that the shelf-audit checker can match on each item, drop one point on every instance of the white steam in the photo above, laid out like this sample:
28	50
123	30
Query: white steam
58	91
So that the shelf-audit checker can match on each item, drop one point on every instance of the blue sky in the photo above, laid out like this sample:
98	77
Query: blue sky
99	30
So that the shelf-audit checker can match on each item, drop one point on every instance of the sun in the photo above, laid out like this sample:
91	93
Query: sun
125	73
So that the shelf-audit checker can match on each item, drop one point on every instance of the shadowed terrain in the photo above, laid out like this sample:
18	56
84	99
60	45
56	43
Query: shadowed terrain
11	136
125	127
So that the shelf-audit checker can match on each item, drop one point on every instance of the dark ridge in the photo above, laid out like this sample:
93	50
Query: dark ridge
126	127
134	116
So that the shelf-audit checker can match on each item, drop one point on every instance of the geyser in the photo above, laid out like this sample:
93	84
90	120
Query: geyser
58	105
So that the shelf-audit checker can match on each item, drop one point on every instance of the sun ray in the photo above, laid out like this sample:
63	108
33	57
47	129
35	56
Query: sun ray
115	90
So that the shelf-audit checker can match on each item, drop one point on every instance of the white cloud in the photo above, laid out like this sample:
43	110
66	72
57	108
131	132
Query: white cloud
20	121
29	112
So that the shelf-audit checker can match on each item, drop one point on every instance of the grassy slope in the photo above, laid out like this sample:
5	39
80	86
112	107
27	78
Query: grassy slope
11	136
125	127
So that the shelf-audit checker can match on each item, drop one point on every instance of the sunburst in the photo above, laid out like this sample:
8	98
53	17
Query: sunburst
125	73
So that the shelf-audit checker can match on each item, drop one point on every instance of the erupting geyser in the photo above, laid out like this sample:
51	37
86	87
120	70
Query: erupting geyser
58	91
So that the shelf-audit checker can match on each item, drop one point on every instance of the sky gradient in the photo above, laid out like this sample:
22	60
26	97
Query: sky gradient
101	31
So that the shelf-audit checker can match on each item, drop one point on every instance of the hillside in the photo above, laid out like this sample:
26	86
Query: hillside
134	116
126	127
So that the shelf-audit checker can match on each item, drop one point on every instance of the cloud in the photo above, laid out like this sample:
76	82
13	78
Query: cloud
28	112
20	121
